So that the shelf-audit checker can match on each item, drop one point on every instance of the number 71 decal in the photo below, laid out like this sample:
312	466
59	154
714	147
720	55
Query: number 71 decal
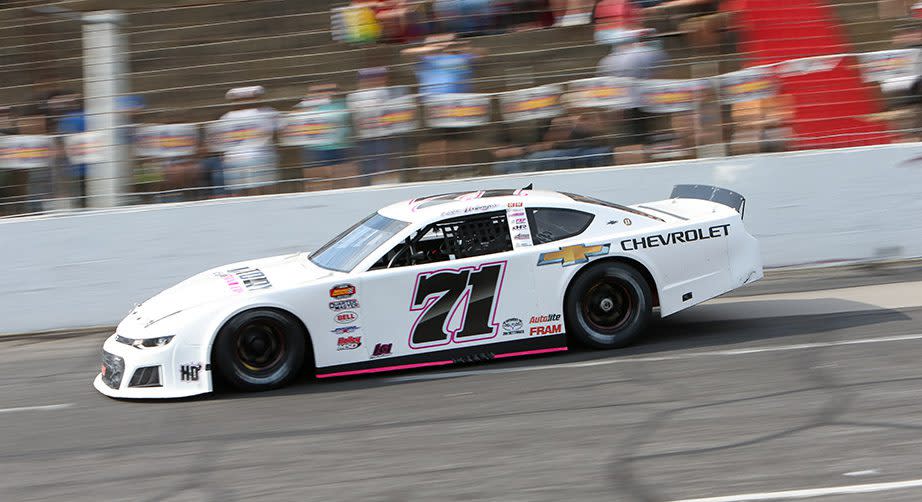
440	294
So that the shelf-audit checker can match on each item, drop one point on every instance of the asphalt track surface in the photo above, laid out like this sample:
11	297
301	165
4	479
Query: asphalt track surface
766	395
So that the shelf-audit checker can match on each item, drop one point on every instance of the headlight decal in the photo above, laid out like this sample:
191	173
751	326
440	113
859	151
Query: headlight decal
144	343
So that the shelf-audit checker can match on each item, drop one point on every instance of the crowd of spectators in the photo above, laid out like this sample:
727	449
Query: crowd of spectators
249	155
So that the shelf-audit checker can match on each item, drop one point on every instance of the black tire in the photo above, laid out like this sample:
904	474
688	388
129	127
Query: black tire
259	350
608	306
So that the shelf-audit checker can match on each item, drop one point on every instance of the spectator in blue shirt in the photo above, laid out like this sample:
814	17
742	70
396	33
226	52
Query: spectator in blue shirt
445	65
72	120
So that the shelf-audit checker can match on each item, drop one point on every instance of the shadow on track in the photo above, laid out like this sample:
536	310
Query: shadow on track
675	333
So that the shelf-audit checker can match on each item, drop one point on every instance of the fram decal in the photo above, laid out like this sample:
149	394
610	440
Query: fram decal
552	329
456	304
571	255
345	317
696	234
348	342
344	305
342	291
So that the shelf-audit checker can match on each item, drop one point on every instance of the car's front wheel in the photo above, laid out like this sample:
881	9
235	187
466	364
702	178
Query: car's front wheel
259	350
608	306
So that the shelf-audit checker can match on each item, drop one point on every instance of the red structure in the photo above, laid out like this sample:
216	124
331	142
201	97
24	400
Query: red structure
830	101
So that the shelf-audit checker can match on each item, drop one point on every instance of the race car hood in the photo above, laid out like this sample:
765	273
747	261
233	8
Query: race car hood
228	282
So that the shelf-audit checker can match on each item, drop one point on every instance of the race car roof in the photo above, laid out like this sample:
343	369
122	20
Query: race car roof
427	208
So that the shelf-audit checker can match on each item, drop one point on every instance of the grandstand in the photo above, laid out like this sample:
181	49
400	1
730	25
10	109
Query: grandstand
183	56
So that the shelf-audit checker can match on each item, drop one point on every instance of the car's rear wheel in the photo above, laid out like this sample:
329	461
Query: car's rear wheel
259	350
608	306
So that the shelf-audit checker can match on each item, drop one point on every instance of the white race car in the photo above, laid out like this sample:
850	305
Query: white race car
452	278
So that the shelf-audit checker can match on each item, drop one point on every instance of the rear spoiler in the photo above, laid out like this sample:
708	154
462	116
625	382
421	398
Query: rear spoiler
723	196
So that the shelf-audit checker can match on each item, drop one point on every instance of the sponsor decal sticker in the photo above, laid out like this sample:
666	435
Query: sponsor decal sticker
346	317
551	329
541	319
627	221
189	372
342	291
470	209
381	350
513	326
348	342
344	330
252	278
681	237
344	305
514	204
231	281
571	255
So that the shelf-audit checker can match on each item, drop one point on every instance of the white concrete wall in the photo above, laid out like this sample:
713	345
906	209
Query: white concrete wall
89	268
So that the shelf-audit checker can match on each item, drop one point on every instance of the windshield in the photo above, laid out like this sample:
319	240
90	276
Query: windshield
349	248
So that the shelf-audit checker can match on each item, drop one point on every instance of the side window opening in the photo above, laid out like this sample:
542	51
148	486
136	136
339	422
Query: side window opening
451	239
554	224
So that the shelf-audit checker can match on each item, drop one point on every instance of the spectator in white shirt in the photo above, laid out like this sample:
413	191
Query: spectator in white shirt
248	141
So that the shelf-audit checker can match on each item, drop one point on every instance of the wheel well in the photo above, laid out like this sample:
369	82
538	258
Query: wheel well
308	343
636	265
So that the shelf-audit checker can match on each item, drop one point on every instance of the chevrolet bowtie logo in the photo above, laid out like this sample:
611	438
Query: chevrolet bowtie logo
571	255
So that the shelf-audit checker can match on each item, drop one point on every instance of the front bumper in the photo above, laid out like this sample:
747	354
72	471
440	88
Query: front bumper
171	371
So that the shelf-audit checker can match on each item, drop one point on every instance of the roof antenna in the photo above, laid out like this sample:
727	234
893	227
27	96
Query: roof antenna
529	187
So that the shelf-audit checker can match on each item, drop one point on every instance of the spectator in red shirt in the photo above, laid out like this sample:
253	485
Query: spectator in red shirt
401	21
616	19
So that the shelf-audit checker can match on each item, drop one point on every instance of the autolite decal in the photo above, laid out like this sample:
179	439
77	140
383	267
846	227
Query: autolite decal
696	234
348	342
541	319
342	291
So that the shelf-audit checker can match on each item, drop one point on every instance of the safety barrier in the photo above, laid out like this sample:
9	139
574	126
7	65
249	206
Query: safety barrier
85	269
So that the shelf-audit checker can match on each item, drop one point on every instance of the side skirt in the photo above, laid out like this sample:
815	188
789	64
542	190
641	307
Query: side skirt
464	355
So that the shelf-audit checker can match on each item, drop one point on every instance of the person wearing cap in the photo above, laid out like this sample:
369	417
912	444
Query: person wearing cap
378	154
325	162
247	139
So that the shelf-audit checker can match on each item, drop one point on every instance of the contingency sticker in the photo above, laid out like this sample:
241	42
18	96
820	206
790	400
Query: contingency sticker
518	226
